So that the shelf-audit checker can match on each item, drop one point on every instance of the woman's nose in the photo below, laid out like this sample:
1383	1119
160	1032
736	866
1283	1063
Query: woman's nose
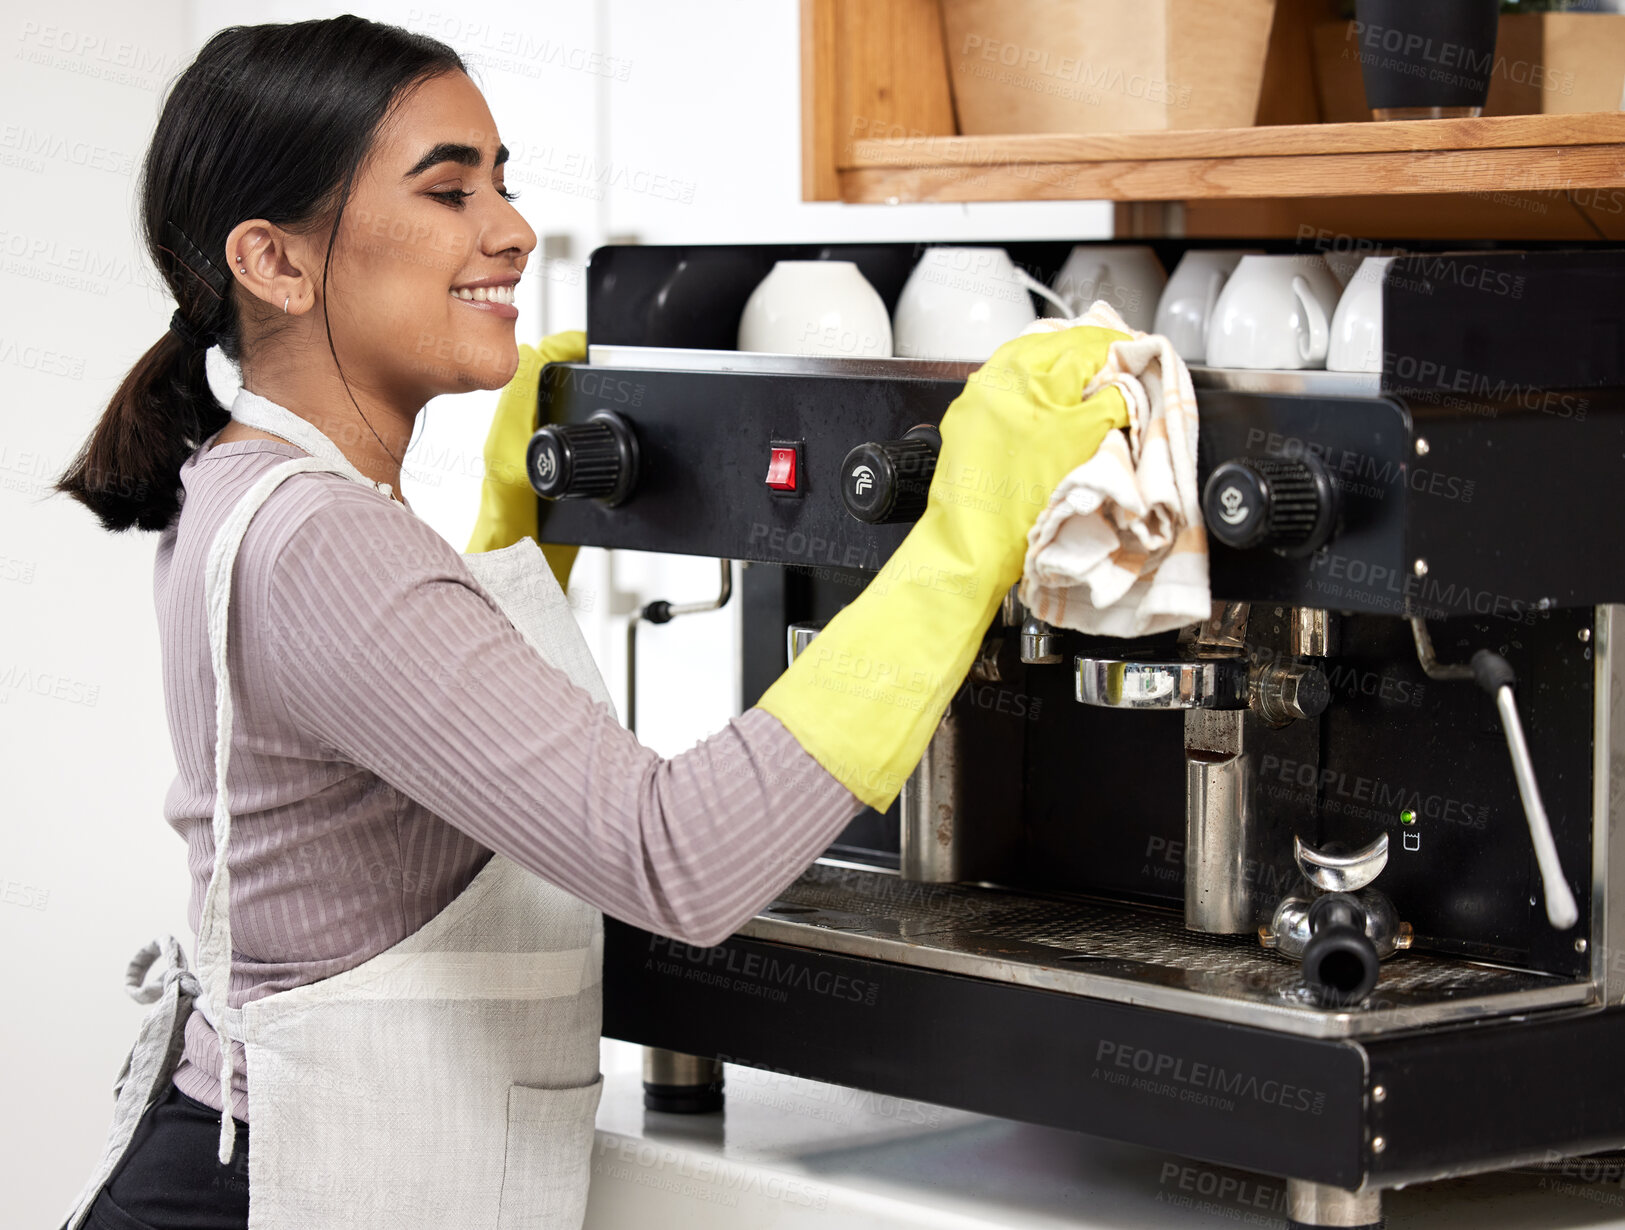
509	231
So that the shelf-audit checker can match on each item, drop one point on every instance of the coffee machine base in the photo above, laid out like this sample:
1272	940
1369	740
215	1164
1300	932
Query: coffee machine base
1341	1116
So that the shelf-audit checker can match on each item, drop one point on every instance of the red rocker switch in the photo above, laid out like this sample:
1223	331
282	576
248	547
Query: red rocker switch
781	469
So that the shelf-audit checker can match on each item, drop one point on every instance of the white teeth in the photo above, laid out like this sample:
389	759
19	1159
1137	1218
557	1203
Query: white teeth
485	294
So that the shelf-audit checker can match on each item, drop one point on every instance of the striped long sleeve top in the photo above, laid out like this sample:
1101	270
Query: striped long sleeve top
393	729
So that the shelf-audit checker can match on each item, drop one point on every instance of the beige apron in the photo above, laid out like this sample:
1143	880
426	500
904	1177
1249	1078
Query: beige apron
450	1081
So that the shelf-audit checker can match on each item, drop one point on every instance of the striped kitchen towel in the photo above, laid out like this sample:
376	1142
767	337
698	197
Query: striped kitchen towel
1120	550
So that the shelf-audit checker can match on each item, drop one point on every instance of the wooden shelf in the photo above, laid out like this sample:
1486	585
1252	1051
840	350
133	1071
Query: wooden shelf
1503	154
878	122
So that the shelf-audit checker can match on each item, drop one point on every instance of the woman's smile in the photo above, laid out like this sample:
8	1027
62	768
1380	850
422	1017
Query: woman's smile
498	300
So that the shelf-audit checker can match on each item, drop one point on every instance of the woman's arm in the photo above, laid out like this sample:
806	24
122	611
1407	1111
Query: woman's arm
384	649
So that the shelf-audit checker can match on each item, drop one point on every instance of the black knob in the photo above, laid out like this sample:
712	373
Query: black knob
597	459
1339	962
886	481
1287	505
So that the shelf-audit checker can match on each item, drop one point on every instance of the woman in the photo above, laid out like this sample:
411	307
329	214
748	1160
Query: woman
404	795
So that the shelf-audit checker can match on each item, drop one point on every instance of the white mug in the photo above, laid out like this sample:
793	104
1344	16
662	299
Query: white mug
1274	313
818	308
1127	276
963	304
1345	262
1356	344
1187	303
1342	264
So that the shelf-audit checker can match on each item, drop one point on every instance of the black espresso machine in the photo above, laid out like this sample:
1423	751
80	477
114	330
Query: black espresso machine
1329	886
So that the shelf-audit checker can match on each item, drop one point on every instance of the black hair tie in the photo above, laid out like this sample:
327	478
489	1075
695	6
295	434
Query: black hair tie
199	338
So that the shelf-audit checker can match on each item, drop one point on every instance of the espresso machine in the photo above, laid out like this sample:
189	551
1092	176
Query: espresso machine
1328	886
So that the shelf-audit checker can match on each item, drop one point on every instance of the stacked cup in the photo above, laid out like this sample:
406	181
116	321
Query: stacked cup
816	308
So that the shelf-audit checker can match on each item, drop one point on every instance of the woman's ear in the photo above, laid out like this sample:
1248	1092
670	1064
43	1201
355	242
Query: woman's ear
272	264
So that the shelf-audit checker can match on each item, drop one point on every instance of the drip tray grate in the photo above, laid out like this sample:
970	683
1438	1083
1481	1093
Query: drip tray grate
1127	954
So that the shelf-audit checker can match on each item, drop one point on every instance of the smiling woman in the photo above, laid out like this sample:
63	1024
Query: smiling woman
403	790
314	189
397	960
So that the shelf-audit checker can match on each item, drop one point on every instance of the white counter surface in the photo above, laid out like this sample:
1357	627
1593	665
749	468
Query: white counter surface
794	1154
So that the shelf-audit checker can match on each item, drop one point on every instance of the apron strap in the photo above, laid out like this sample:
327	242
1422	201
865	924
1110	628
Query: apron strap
151	1059
138	984
252	410
214	949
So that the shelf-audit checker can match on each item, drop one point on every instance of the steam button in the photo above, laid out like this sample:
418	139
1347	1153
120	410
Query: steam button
887	481
1236	504
597	459
1289	505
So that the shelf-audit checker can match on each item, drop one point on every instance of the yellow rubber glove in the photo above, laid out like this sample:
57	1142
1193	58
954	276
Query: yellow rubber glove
508	503
866	695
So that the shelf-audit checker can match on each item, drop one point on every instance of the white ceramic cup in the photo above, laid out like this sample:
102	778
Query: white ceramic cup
963	304
1344	263
1192	292
1274	313
1127	276
817	308
1356	344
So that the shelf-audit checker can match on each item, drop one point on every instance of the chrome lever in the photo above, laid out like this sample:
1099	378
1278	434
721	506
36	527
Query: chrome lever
1181	683
1561	911
1494	674
1341	873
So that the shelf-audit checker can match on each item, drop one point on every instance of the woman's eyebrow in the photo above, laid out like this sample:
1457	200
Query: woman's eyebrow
452	151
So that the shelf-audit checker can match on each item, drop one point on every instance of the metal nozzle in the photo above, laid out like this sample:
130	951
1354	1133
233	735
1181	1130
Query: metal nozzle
1040	643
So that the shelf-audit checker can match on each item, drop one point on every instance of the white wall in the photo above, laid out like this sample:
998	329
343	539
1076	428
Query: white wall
704	92
88	869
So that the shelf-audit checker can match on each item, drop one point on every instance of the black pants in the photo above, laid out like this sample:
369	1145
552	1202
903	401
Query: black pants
171	1177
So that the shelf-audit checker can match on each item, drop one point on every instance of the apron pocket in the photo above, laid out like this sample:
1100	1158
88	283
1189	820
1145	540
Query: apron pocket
548	1158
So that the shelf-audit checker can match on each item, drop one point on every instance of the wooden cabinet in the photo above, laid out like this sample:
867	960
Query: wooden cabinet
878	127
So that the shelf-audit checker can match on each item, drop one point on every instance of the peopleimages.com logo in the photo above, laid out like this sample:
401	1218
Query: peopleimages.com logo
768	976
1174	1076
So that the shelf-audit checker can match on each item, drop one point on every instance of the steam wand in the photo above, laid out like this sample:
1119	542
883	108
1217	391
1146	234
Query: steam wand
661	611
1494	674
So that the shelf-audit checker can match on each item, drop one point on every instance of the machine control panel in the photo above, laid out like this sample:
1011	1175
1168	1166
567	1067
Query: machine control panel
1309	500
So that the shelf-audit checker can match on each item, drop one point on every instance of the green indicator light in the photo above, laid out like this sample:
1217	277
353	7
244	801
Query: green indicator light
1407	816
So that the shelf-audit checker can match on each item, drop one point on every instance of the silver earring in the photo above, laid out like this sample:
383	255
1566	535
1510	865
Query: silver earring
285	299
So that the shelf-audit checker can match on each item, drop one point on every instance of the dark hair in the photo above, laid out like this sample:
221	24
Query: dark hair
270	121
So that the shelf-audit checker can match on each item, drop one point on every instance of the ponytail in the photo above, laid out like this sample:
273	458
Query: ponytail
269	121
126	473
